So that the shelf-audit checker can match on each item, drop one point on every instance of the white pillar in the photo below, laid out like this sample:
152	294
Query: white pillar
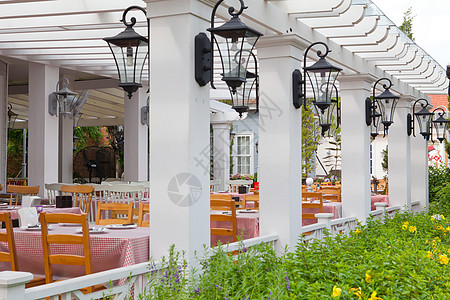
65	173
42	127
179	124
4	121
279	140
419	170
399	157
221	152
355	145
12	284
136	137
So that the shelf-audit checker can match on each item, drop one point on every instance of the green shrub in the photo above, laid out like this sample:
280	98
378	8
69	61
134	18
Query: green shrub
404	258
437	177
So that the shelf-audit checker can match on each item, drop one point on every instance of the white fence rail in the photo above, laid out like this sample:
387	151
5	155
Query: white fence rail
133	281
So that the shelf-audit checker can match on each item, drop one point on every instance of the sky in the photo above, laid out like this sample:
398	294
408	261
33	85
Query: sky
430	26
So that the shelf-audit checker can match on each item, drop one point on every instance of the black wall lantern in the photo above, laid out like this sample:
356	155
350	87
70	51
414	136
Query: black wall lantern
12	117
423	118
448	76
440	124
235	42
130	51
384	103
322	76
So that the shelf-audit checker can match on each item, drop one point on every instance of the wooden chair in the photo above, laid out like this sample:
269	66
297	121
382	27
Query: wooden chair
21	190
11	256
217	207
239	204
100	190
144	208
81	195
332	193
251	198
317	204
114	209
66	239
53	190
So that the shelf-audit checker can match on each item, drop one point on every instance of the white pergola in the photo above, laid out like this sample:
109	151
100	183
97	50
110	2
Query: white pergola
43	40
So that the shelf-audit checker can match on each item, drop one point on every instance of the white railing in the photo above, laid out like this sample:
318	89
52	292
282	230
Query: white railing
133	280
415	206
334	227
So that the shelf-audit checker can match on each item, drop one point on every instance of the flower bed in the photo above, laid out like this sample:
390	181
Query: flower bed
405	258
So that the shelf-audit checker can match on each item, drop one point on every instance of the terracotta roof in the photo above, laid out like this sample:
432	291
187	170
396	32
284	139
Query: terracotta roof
439	100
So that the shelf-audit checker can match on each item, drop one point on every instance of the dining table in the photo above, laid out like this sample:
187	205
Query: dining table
378	198
110	249
328	207
247	223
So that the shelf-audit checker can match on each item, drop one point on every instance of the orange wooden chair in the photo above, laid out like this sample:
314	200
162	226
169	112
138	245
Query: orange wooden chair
144	208
306	197
65	239
251	198
22	190
115	210
81	195
217	207
11	256
332	193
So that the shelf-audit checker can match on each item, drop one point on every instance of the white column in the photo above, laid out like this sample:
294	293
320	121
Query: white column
42	127
399	157
65	150
179	124
355	145
279	140
419	170
4	121
136	137
221	152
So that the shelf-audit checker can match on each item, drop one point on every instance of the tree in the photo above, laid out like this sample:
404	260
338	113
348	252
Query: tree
406	26
384	162
310	138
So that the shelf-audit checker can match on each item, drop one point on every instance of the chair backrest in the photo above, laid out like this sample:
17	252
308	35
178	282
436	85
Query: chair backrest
146	185
144	208
251	198
220	197
8	237
65	239
114	209
217	206
53	190
101	191
125	192
332	193
318	203
81	195
21	190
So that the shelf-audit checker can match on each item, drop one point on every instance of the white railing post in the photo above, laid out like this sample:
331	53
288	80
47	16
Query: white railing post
324	218
12	284
381	206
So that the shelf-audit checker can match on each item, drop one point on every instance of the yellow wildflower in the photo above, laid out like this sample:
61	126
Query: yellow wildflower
443	259
356	292
368	277
336	291
439	227
357	231
412	229
447	229
374	296
430	254
448	250
405	225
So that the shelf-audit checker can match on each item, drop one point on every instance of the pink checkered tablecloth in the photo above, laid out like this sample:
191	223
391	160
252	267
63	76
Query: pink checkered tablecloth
48	209
114	249
332	207
378	198
247	227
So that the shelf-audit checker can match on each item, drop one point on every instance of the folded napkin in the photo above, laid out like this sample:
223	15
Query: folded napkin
28	216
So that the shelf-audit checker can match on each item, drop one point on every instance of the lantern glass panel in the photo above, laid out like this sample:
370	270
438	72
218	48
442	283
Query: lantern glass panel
440	125
423	118
326	116
130	58
235	51
246	92
65	104
387	108
322	82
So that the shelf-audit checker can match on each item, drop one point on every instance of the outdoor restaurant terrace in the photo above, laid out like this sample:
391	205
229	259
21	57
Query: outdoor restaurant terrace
177	125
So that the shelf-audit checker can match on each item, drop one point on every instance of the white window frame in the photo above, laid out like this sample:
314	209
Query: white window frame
252	151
